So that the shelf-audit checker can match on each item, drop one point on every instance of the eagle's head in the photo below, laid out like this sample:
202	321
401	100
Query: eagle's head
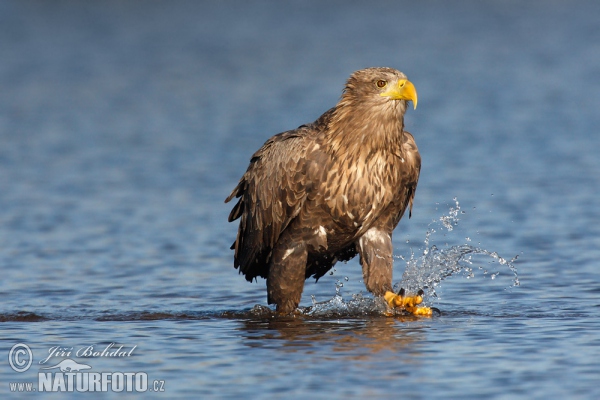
380	88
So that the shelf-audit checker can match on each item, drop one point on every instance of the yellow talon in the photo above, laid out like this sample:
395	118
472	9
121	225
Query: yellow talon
424	311
408	303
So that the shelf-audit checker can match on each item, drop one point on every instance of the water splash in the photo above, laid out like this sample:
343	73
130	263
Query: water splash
338	307
425	271
434	265
448	221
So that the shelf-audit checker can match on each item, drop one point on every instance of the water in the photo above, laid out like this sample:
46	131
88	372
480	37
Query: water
435	265
123	126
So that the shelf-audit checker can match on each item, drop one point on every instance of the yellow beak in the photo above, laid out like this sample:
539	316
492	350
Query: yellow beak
404	90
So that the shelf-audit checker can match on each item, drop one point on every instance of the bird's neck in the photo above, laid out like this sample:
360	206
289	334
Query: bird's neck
360	130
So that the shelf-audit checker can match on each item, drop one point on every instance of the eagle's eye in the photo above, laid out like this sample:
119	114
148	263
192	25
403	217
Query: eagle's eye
381	83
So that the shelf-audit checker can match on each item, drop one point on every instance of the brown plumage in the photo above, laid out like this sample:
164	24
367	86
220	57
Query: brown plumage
330	189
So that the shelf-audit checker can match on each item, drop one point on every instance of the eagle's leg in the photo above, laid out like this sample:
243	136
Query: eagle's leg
285	281
375	249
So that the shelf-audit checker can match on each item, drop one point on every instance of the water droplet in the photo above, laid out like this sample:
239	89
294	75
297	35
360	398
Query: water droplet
429	266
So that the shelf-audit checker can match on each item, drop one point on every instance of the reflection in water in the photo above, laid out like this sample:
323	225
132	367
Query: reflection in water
21	316
356	339
370	338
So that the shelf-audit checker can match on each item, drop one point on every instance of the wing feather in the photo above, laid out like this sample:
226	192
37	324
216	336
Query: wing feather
271	194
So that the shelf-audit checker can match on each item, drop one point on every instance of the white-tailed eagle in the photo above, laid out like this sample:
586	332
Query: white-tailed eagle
329	190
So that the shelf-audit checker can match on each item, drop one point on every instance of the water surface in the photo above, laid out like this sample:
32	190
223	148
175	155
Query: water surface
124	125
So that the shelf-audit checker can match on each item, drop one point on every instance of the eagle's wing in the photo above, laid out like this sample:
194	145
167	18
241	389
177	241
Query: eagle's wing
271	194
412	173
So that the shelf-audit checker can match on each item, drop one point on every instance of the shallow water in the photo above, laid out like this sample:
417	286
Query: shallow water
124	125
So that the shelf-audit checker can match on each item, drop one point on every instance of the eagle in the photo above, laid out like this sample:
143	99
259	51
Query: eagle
330	190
